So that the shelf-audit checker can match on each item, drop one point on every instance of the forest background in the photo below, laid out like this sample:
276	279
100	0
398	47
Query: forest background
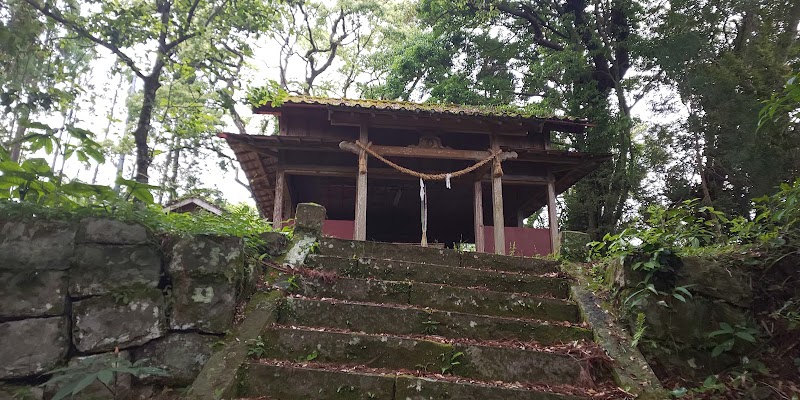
693	98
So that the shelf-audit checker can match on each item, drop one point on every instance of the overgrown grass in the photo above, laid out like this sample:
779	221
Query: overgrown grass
238	220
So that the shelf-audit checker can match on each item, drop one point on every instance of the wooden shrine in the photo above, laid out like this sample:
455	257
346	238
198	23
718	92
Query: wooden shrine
409	173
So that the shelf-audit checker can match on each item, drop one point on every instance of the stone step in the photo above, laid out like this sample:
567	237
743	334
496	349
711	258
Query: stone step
302	382
405	320
428	255
490	363
445	298
393	270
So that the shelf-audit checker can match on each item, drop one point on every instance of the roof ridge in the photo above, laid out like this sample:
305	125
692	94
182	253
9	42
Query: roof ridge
503	110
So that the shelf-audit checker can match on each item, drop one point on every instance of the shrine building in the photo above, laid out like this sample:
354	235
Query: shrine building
430	174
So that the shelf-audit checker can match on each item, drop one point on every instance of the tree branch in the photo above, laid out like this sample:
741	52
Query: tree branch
80	30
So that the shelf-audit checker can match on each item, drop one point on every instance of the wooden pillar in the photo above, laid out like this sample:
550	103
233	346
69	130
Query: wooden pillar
478	216
552	216
360	231
277	201
497	206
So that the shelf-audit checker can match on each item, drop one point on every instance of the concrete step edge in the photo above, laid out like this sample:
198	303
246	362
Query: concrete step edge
509	362
365	383
478	301
409	320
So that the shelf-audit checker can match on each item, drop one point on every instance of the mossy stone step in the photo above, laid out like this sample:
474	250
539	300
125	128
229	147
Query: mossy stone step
446	298
394	352
381	318
428	255
433	273
290	383
400	252
530	265
302	383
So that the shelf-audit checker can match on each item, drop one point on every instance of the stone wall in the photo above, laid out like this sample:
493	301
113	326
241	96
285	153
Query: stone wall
676	335
71	290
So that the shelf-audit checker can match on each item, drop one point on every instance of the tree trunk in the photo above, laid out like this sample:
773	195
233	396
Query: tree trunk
143	158
120	170
173	178
16	149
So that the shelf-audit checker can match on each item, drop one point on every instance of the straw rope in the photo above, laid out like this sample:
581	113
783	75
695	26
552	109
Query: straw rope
430	177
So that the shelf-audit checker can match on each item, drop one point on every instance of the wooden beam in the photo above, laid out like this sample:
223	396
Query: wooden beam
421	152
552	216
522	180
478	216
360	231
497	207
257	150
461	124
391	173
277	201
288	206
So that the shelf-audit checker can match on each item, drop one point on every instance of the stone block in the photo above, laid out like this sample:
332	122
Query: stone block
34	244
206	254
309	218
181	355
572	245
32	293
32	346
715	279
122	320
688	322
206	303
102	269
110	231
621	275
273	243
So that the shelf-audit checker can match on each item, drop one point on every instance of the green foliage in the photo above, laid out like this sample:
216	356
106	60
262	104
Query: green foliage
727	336
272	94
256	348
688	227
73	380
782	107
638	334
720	151
450	361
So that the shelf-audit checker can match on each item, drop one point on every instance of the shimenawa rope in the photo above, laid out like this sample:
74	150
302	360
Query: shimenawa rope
432	177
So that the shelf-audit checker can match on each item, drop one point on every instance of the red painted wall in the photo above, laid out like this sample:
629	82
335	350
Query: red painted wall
339	229
526	242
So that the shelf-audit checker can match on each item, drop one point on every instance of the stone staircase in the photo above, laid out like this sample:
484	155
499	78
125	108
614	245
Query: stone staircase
383	321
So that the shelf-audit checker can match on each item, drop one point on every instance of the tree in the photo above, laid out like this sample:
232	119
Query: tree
570	57
40	71
724	58
164	28
325	40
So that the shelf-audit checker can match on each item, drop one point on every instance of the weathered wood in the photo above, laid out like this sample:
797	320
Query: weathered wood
277	202
478	216
552	216
497	207
419	152
461	124
360	231
288	206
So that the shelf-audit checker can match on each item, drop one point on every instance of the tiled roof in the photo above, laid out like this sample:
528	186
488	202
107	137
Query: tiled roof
433	108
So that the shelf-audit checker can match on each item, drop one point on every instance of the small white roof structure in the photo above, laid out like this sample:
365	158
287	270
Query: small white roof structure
192	204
